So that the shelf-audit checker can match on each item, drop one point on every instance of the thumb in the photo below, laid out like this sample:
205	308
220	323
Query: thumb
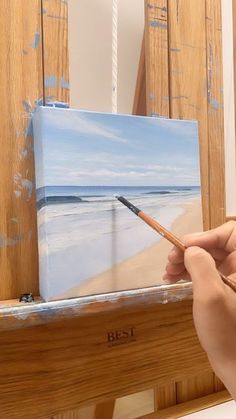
202	269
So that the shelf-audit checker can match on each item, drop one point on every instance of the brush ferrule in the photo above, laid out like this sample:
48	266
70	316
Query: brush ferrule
128	204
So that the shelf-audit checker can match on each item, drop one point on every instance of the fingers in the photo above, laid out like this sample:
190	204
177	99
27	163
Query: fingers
175	269
228	266
172	279
202	269
219	242
223	237
176	256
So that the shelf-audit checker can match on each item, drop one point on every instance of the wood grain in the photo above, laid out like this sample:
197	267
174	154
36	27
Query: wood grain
55	51
190	406
231	218
200	385
156	58
21	88
81	364
215	112
15	315
188	100
218	385
139	105
164	396
187	66
104	410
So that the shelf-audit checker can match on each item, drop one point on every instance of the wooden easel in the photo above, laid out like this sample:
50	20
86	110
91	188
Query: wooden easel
56	357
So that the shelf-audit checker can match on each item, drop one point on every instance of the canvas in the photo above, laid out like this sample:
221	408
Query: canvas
88	241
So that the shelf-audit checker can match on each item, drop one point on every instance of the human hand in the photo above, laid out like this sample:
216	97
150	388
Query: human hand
214	303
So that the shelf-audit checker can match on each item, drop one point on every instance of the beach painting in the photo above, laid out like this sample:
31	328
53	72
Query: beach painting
89	243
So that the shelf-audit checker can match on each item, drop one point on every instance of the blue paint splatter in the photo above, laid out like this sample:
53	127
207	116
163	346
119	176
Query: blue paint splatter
50	81
27	106
175	49
151	6
57	17
23	154
28	185
64	84
215	104
158	24
36	41
17	194
39	102
18	133
58	104
154	114
29	129
17	237
9	241
179	97
23	183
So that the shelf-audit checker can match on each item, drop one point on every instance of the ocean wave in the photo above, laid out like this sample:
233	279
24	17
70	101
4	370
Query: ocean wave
159	192
52	200
91	196
184	189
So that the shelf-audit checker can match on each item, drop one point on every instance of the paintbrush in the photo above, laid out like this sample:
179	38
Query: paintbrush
165	233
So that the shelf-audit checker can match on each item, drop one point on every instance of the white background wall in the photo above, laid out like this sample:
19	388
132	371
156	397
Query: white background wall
90	52
90	65
229	108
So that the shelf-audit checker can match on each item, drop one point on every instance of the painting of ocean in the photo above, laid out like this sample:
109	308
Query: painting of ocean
88	241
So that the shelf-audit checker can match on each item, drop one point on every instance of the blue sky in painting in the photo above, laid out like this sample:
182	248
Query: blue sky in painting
86	148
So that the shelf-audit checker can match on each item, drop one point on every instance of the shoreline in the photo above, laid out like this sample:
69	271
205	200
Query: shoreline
145	268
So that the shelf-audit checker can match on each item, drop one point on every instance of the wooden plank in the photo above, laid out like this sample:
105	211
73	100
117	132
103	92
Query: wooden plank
55	51
215	113
139	105
231	218
83	361
83	413
198	386
164	396
156	58
190	406
188	99
15	315
21	88
234	67
56	70
218	385
134	405
105	410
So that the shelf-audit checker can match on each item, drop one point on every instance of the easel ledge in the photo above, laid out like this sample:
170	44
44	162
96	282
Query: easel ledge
15	315
59	356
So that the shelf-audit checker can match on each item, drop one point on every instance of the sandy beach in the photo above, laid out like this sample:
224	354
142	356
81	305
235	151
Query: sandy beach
146	267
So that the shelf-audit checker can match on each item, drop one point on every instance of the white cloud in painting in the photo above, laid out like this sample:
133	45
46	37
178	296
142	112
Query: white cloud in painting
86	148
78	123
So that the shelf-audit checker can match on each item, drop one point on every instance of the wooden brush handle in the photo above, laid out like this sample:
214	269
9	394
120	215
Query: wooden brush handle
161	230
174	240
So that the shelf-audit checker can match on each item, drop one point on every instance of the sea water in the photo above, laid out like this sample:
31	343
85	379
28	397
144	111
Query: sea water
84	230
